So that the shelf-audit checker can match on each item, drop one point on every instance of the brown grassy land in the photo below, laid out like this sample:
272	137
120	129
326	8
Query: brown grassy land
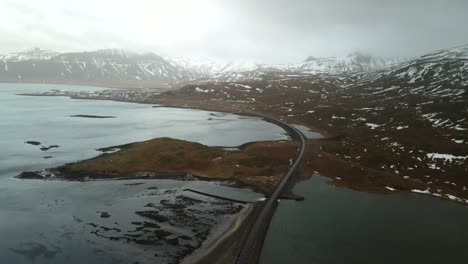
396	154
364	159
259	164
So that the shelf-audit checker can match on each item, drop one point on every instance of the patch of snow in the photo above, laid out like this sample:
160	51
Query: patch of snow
457	127
338	117
421	191
454	198
199	90
447	157
433	166
248	87
386	90
373	126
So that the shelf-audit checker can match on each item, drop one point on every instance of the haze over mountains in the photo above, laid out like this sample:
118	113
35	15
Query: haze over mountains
441	76
132	69
38	65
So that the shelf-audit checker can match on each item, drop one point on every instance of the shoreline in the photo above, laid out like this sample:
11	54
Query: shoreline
105	85
227	239
344	173
224	235
332	166
256	167
345	168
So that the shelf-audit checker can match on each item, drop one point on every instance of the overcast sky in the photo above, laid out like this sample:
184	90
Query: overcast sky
260	30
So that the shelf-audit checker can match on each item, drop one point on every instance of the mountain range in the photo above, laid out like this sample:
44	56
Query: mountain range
116	65
406	122
101	66
405	119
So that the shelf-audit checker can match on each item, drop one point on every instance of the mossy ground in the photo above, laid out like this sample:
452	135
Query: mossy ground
259	164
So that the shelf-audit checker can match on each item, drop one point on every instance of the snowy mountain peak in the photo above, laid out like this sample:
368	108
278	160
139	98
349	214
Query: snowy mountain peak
460	52
210	67
354	62
115	52
29	54
443	66
122	53
358	56
118	54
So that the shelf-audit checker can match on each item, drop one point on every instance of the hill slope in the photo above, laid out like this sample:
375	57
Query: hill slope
97	66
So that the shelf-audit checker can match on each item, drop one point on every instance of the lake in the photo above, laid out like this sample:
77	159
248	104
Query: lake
92	222
336	225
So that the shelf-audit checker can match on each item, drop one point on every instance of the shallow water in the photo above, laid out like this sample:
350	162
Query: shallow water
337	225
60	222
309	134
48	120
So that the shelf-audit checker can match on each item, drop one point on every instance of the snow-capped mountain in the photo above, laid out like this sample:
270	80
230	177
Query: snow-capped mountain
443	73
355	62
114	64
208	67
29	54
448	67
249	71
436	84
408	120
110	65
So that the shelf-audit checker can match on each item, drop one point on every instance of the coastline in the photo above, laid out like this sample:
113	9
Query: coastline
132	85
344	173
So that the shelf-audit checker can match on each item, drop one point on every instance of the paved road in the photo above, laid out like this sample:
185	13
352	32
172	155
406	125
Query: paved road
252	247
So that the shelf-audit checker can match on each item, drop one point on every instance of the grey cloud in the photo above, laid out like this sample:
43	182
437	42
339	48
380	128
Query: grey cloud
276	30
406	28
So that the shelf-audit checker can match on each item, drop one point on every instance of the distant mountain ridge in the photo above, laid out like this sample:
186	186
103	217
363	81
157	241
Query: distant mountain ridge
117	65
240	70
108	65
354	62
29	54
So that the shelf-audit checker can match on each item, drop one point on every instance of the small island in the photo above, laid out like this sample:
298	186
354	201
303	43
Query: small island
257	164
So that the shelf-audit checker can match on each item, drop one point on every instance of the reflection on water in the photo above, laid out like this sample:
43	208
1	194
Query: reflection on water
336	225
48	121
138	221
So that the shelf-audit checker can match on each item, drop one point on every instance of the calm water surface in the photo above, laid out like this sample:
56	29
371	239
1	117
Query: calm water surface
46	221
336	225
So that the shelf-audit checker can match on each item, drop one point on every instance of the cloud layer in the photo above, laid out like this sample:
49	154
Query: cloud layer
262	30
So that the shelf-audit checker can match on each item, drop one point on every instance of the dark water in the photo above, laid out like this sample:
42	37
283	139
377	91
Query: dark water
49	120
61	222
336	225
